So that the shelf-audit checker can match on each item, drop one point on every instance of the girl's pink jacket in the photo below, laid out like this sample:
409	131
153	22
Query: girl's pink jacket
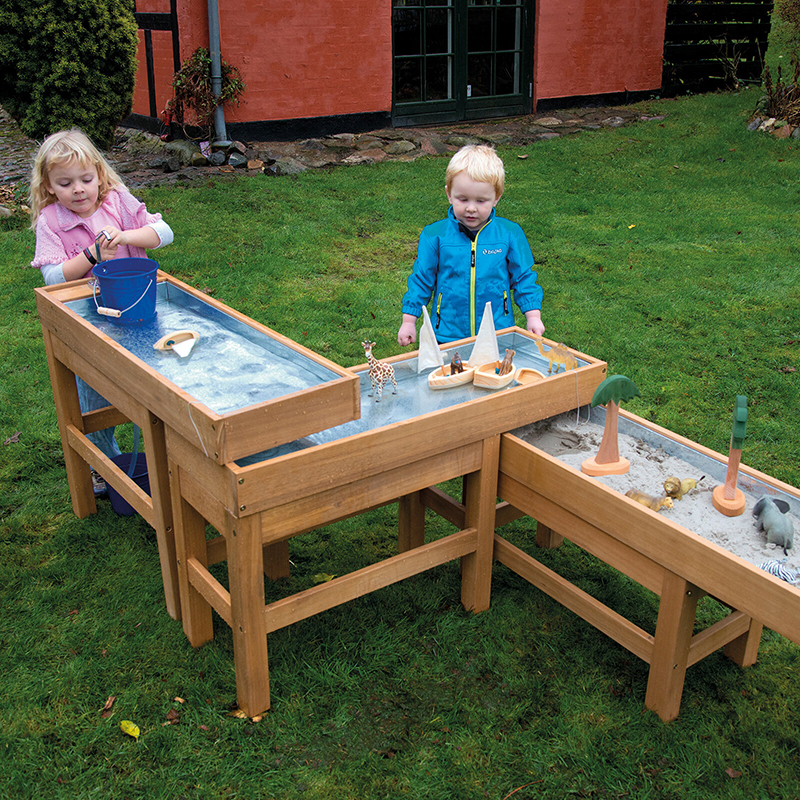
61	234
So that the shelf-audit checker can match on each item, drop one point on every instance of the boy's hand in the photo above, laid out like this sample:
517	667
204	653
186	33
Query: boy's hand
534	322
408	331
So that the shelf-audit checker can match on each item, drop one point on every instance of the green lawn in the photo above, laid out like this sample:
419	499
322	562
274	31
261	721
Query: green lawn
667	248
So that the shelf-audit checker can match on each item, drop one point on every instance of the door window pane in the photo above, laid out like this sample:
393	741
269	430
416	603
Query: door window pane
479	36
408	79
507	65
507	28
437	31
437	78
479	75
407	26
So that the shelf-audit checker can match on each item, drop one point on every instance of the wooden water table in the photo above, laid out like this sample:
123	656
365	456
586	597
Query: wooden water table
262	465
226	401
670	560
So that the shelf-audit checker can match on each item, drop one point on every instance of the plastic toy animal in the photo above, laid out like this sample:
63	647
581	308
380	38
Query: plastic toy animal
456	365
557	354
506	366
653	503
379	372
674	487
770	514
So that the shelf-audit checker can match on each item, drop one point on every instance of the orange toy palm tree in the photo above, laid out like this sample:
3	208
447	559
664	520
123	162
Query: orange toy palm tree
610	393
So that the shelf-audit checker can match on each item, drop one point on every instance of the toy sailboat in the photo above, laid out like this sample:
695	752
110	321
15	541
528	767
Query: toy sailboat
430	355
180	342
485	356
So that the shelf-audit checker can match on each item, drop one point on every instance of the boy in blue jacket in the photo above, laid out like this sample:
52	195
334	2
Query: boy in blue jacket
471	257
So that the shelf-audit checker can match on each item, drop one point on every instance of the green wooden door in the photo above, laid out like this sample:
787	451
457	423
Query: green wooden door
461	59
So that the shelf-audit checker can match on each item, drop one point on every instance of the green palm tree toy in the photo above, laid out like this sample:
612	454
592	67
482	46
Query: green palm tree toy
610	393
729	499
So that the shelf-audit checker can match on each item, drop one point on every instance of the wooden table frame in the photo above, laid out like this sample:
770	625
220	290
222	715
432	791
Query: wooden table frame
139	394
256	509
678	565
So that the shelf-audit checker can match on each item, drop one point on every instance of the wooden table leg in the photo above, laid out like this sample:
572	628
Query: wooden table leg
158	473
676	616
547	537
744	649
246	579
190	546
480	501
411	522
276	560
68	412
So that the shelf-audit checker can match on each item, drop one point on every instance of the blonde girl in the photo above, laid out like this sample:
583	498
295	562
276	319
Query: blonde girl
77	201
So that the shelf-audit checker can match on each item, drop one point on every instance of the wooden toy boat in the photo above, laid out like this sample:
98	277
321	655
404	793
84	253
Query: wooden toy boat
487	377
528	375
181	342
441	378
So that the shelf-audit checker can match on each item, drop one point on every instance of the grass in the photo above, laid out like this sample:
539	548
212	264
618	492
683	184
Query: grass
667	248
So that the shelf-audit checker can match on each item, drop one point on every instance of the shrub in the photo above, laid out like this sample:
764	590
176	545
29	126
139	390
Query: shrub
192	87
68	63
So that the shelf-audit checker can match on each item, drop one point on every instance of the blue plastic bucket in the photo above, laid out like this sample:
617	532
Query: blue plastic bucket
127	290
139	477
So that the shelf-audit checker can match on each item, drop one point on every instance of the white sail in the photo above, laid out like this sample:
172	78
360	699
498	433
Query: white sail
185	347
485	349
429	353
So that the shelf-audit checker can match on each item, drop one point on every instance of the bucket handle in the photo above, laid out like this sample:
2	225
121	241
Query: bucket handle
113	312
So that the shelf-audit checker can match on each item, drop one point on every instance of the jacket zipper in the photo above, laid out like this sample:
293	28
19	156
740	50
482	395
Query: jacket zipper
505	302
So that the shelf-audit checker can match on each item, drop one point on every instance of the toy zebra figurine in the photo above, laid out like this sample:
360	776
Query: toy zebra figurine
379	372
780	570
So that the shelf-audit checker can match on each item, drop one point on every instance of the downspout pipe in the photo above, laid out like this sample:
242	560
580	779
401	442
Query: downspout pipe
221	135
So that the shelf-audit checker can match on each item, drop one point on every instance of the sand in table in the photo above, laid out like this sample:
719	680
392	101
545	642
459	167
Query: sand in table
572	442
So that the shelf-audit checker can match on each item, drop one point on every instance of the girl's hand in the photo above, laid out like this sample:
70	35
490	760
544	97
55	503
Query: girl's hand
108	249
114	237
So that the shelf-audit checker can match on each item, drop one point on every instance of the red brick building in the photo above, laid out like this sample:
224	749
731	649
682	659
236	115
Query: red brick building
359	63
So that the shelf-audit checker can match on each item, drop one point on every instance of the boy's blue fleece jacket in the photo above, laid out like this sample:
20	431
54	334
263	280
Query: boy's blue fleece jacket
462	275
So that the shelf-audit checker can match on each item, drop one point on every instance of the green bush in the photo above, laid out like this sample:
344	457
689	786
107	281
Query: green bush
68	63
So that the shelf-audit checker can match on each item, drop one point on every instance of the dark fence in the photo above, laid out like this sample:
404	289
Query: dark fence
712	45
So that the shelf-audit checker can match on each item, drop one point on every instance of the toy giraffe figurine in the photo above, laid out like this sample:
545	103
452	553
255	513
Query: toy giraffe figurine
379	372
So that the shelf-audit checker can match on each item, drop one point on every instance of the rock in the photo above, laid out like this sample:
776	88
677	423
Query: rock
198	160
366	157
613	122
182	150
5	213
755	124
548	135
125	167
156	163
400	147
237	160
499	138
796	133
255	163
288	166
782	131
217	158
548	122
370	143
238	147
461	141
172	164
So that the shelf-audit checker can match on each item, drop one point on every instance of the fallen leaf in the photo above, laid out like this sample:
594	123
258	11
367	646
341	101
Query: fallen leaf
524	155
130	728
173	716
106	710
179	700
732	773
13	439
203	727
787	369
631	226
238	713
675	166
322	577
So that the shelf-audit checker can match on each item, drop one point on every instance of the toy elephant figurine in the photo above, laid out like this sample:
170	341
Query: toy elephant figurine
771	518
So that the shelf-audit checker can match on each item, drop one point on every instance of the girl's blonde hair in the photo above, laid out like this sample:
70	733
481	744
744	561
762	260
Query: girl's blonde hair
481	163
63	148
